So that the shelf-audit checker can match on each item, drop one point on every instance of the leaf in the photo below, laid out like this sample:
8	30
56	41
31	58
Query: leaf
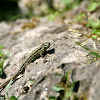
78	43
13	98
94	31
96	25
89	23
69	94
32	82
66	2
83	46
58	88
52	98
97	32
93	23
92	6
92	52
80	17
84	43
73	84
3	57
8	86
0	69
1	53
94	36
95	54
53	16
58	74
67	74
1	47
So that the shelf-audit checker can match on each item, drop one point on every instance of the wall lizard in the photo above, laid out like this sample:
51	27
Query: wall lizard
32	57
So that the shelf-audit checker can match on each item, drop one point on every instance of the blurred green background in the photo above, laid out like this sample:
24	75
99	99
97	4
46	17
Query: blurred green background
14	9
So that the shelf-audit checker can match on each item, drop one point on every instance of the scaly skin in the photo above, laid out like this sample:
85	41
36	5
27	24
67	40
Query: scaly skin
32	57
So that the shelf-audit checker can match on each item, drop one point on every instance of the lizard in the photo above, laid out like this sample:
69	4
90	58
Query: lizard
38	52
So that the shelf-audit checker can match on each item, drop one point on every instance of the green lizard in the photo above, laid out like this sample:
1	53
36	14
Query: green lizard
32	57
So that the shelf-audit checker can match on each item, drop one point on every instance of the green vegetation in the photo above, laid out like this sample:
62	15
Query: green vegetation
54	15
10	14
93	24
93	55
69	4
3	57
7	90
92	6
80	17
65	88
52	12
95	34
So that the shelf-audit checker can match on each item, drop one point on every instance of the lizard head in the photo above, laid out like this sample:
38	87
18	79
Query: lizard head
46	45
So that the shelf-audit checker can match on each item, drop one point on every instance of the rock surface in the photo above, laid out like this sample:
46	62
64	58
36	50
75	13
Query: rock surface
63	55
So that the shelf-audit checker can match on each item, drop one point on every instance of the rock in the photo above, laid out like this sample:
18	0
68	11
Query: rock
85	72
94	92
85	76
42	88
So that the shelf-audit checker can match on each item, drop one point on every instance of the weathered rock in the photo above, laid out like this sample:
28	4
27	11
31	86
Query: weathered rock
85	72
94	92
85	76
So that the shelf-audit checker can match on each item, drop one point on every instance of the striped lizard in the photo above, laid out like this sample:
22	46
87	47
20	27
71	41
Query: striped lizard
32	57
